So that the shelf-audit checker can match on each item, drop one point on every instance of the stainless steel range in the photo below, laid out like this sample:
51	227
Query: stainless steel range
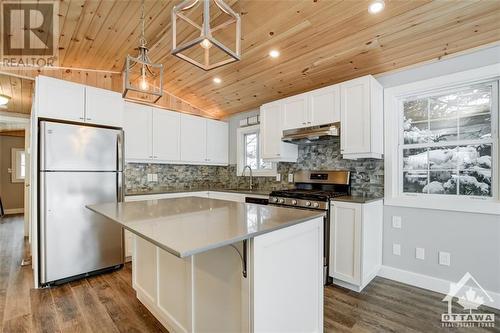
313	190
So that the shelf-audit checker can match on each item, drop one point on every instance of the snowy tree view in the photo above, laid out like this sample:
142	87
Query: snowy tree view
448	144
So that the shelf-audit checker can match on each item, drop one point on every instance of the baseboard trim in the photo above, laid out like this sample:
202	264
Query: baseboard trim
429	282
13	211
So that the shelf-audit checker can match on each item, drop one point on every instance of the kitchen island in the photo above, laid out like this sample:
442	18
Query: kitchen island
203	265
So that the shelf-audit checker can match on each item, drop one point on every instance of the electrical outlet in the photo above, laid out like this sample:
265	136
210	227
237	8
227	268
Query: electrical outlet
290	177
396	249
420	253
150	177
396	222
278	177
444	258
154	177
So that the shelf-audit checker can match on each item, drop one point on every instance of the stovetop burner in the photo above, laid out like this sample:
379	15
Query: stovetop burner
306	194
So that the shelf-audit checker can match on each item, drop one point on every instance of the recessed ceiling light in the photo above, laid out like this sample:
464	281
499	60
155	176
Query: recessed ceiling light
4	99
217	80
274	53
376	6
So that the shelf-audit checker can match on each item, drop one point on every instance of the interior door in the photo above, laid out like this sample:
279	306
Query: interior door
166	135
75	147
76	240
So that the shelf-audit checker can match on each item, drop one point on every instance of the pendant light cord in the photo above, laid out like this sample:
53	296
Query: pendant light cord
142	38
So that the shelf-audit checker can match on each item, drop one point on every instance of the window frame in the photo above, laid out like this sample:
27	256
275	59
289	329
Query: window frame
241	148
16	165
394	143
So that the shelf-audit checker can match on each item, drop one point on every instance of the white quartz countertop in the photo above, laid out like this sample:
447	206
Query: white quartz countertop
191	225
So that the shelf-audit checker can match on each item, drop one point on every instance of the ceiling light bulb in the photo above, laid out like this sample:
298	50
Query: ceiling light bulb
376	6
4	99
206	44
144	83
274	53
217	80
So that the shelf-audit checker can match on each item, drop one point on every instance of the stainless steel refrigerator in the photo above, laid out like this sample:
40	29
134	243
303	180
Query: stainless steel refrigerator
78	165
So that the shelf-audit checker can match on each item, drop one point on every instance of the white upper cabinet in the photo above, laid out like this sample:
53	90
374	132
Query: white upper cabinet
217	142
295	111
166	135
271	131
59	99
193	139
137	128
103	107
361	118
324	106
63	100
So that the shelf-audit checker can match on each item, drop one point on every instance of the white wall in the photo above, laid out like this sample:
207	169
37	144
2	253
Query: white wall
472	239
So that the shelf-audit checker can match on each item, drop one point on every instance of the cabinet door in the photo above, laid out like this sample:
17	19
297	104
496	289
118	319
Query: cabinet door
59	99
345	242
103	107
193	139
270	130
217	142
166	135
137	128
355	116
324	106
295	112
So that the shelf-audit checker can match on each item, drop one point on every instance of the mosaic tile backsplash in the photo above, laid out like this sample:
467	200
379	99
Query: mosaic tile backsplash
367	174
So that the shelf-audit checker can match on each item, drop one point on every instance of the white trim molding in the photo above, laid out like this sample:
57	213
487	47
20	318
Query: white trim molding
430	283
392	97
240	153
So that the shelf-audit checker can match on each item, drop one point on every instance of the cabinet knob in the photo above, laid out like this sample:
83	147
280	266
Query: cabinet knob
81	118
89	118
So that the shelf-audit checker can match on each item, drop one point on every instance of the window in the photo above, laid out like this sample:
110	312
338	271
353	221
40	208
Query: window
18	165
447	144
249	153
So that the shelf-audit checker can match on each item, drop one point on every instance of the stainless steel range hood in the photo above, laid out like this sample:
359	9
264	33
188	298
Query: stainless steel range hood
312	134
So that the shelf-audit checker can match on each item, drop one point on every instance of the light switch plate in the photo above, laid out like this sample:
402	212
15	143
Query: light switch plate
396	249
396	222
150	177
278	177
290	177
444	258
420	253
155	177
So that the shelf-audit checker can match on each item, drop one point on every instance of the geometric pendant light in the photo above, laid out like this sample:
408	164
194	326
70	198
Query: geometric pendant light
142	79
202	47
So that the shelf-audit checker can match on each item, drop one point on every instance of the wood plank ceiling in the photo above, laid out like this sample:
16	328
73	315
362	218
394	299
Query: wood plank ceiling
19	90
321	42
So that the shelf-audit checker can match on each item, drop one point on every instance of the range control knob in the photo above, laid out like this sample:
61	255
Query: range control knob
308	203
294	202
281	201
273	199
315	205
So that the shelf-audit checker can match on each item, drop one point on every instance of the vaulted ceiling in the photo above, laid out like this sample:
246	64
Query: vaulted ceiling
321	43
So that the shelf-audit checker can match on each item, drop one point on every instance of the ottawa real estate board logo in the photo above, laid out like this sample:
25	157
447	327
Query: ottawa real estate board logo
469	296
30	34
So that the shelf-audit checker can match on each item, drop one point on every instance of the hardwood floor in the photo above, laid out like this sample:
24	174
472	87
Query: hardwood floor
107	303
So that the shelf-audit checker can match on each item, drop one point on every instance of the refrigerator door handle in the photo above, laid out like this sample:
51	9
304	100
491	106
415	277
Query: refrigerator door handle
119	187
43	230
119	150
42	145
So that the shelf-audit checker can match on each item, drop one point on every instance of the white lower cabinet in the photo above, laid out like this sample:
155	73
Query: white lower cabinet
355	243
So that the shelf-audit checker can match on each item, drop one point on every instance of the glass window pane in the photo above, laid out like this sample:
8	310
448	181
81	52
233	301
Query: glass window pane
251	144
443	130
444	106
443	158
442	182
475	127
265	164
416	132
414	181
415	159
415	110
476	183
475	100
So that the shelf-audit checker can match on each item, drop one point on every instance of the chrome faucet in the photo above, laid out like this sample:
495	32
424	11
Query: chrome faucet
251	175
